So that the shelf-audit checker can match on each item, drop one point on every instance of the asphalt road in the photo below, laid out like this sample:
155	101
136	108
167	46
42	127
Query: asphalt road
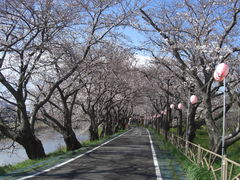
126	157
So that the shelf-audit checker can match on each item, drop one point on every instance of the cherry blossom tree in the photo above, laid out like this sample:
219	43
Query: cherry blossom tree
28	28
105	88
37	36
196	36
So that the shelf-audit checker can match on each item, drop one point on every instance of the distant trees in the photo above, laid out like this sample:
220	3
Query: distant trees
105	88
163	89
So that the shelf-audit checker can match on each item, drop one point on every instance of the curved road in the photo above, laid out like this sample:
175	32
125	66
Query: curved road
129	156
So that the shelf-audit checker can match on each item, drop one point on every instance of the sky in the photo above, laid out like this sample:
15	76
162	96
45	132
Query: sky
134	35
137	39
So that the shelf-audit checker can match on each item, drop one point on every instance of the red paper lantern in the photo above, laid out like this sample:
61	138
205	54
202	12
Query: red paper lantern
216	77
193	99
222	70
172	106
180	106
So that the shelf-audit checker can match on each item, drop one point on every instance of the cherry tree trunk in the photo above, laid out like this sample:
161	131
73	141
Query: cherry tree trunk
71	141
214	133
166	128
93	133
32	145
192	125
180	124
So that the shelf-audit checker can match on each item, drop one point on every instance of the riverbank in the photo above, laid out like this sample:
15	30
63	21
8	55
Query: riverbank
32	166
14	153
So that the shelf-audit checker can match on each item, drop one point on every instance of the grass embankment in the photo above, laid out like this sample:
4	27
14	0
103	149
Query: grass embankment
51	159
193	171
202	139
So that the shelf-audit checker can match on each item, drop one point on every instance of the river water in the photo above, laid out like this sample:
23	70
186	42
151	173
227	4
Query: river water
51	141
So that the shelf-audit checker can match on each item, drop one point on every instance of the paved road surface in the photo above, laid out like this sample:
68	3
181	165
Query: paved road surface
127	157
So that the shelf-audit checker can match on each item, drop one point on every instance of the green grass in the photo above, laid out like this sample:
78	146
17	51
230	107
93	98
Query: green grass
52	158
34	163
26	163
202	138
233	152
100	129
29	162
174	130
193	171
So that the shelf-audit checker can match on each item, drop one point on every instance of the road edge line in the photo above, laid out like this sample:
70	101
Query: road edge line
157	169
70	160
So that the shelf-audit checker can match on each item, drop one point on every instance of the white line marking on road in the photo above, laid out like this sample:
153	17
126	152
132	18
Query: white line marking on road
70	160
157	169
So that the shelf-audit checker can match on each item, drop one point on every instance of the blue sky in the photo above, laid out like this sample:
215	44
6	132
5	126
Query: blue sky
135	36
